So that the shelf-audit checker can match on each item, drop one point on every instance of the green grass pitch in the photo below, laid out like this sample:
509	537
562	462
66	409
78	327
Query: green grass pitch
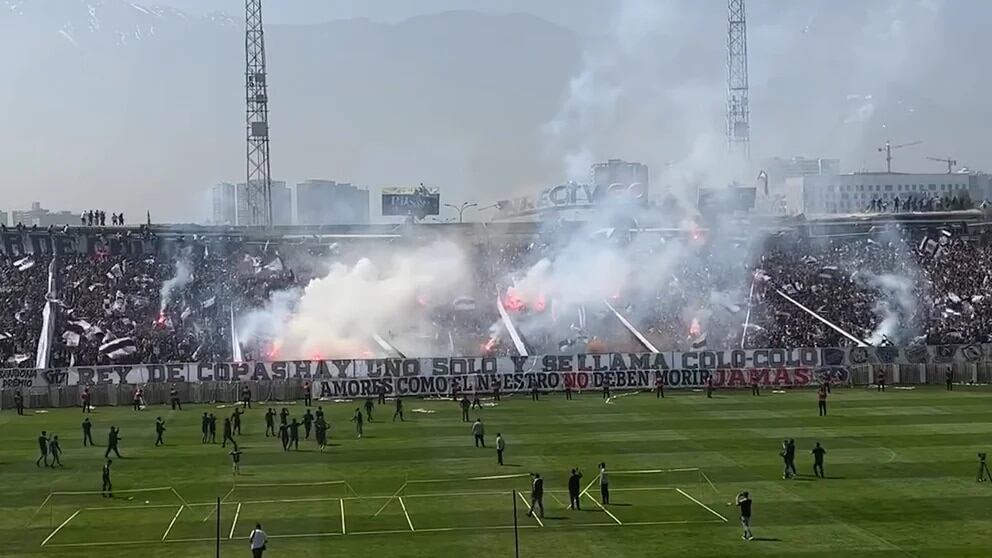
900	465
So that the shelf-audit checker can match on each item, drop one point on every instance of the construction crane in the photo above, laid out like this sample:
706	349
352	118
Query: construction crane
950	163
887	149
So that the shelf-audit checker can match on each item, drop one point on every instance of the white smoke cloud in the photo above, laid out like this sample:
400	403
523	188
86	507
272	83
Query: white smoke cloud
182	277
388	294
895	309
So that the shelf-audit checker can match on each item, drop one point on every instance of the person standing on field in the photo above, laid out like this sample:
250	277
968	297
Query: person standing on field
55	450
821	396
818	453
465	407
500	447
19	402
270	422
743	503
399	409
307	423
479	433
604	484
159	431
357	419
43	448
573	490
307	394
369	407
87	432
257	540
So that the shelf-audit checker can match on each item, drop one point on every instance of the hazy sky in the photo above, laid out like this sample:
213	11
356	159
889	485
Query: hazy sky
126	110
580	15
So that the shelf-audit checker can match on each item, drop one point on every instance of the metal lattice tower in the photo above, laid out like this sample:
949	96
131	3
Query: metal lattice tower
259	177
738	112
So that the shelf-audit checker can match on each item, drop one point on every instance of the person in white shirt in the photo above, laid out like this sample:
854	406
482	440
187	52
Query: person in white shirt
479	433
258	538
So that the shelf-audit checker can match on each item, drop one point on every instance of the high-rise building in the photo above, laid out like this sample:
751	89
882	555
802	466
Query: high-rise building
41	217
616	171
326	202
224	204
282	204
3	217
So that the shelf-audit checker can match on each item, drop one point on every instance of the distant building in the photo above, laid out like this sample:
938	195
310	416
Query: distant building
282	204
326	202
224	204
779	170
3	218
43	217
616	171
853	193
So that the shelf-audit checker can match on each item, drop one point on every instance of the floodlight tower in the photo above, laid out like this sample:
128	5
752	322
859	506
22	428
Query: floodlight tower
738	112
259	177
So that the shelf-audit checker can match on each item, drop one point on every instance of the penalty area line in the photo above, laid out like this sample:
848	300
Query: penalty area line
406	514
531	512
613	517
173	522
705	507
237	513
59	528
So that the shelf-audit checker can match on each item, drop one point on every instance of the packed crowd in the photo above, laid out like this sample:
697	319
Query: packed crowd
178	305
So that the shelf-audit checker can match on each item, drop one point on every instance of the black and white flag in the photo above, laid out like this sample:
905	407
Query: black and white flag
119	348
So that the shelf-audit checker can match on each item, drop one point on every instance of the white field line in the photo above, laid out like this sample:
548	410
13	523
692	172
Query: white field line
388	532
613	517
59	528
531	513
405	513
560	503
588	486
704	506
237	514
173	522
344	528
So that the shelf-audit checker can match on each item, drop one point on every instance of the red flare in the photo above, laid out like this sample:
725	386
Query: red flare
695	328
488	346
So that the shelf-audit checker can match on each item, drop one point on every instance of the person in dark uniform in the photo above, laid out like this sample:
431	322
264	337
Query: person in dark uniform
465	407
55	450
568	390
228	433
113	440
709	387
821	396
307	423
136	399
604	484
983	468
573	490
43	448
108	487
534	394
307	394
284	436
743	502
949	380
245	400
284	416
536	495
500	447
236	421
880	380
381	389
205	428
496	387
606	387
319	414
213	429
270	422
159	431
174	398
476	402
19	402
87	407
399	409
320	427
294	434
818	453
659	387
784	454
357	419
87	432
369	407
755	390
